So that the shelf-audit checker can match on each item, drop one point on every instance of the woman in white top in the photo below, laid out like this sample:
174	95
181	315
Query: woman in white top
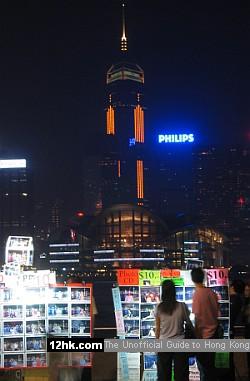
170	318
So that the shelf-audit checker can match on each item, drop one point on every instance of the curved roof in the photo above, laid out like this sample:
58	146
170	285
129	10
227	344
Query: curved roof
129	208
127	225
125	71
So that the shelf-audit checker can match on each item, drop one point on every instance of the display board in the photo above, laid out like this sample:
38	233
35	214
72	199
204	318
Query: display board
20	250
29	314
140	292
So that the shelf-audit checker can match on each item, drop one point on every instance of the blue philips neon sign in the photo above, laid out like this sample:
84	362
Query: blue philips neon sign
173	138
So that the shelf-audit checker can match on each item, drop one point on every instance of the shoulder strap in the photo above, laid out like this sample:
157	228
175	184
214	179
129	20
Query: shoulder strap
186	316
183	306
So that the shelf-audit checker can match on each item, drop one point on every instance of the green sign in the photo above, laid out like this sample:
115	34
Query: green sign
179	282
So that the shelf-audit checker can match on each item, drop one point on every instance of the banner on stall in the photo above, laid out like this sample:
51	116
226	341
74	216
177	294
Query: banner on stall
217	277
118	312
149	278
128	277
40	278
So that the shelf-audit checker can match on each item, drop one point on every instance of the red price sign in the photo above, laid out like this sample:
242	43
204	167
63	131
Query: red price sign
217	277
169	273
128	277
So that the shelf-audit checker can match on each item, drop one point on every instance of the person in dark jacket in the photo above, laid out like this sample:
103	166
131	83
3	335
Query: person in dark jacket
247	319
237	302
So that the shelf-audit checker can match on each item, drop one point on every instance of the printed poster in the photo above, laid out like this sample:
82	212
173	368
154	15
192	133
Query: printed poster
194	374
118	312
128	368
149	375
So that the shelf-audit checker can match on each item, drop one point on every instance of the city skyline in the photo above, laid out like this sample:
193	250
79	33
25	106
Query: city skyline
124	185
54	65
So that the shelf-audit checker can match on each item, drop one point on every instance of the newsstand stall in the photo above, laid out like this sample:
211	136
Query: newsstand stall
32	307
135	300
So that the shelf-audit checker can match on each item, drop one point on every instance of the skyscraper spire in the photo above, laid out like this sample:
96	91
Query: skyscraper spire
124	45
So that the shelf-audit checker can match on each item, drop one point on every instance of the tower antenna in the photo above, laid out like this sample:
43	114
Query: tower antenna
124	44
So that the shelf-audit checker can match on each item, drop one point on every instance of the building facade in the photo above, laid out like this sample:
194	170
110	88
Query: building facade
116	174
170	182
222	195
130	236
123	165
127	236
196	245
15	200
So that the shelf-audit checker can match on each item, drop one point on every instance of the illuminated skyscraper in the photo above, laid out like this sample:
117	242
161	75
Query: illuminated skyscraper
123	163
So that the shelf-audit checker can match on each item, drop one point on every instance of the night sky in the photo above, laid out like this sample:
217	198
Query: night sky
54	57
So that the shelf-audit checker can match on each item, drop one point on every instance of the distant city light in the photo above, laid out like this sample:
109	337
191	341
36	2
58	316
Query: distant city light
131	142
176	138
103	251
241	201
63	252
80	214
73	234
152	250
63	244
126	259
12	163
64	260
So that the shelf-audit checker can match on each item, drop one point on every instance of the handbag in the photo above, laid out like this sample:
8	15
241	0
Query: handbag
189	332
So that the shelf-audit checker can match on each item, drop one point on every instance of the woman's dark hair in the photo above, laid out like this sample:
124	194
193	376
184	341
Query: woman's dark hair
197	275
168	297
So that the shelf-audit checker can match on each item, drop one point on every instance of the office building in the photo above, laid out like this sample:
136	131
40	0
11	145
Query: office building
130	236
222	195
63	253
170	181
122	164
91	185
191	246
15	200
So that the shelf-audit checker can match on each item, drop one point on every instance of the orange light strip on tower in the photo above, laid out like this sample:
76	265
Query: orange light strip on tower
140	180
110	115
119	168
135	124
139	124
137	178
142	124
